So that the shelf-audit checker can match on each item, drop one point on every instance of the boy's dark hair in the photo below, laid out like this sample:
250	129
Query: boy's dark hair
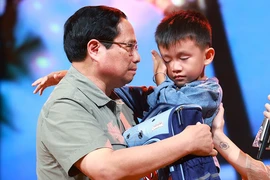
90	22
184	24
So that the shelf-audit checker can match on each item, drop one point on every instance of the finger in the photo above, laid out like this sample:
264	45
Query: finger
269	97
214	153
267	106
41	91
154	52
37	88
266	114
35	91
198	123
36	82
156	55
44	80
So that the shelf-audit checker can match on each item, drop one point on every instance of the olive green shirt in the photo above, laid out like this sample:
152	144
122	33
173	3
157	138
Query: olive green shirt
77	119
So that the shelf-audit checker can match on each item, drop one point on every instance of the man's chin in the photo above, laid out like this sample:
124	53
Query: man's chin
129	79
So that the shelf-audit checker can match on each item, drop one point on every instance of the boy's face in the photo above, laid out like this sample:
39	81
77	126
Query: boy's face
185	61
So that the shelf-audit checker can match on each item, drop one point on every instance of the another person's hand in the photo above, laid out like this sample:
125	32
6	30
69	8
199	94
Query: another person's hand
218	122
48	80
267	106
201	142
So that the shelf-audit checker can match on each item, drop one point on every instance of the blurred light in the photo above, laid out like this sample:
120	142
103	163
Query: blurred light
161	4
55	28
37	5
202	4
178	3
2	6
169	6
42	62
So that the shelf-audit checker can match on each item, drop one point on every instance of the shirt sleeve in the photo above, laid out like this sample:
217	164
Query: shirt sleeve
71	132
207	94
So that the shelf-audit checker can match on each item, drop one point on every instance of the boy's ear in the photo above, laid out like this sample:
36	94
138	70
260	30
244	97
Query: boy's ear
209	56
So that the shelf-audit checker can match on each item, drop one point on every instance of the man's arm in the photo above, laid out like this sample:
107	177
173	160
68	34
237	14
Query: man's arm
77	137
137	162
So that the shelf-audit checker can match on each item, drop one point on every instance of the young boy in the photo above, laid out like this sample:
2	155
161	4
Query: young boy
184	41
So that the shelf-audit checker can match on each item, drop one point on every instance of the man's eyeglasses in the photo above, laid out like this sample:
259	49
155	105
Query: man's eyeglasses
131	46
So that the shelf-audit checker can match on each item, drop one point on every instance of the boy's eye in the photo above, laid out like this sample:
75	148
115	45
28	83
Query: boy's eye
166	60
184	58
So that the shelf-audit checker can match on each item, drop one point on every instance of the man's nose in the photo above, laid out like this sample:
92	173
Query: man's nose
136	56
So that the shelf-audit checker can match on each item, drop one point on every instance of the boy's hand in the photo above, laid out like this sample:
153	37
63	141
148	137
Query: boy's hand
159	65
48	80
160	68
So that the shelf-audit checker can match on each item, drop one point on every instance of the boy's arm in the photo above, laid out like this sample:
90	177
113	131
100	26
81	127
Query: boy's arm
201	93
49	80
196	92
159	68
135	97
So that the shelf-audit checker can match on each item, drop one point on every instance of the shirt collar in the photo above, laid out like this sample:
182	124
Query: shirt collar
87	87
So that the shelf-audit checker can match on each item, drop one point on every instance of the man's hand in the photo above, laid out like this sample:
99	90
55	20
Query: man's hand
200	140
48	80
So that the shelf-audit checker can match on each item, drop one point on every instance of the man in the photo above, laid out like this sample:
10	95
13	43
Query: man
79	134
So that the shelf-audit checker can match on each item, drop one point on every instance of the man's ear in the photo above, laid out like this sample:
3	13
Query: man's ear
209	56
93	47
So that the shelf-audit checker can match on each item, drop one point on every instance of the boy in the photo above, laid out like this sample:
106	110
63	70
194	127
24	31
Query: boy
184	42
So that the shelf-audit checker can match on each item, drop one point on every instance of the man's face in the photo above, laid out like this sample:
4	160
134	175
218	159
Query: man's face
121	59
184	61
